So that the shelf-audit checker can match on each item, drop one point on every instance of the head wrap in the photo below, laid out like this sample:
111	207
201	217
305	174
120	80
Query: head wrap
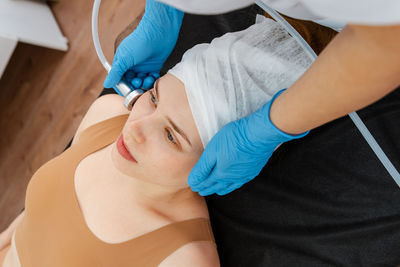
237	73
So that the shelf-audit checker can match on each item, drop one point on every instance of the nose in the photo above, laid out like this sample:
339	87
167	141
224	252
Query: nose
137	131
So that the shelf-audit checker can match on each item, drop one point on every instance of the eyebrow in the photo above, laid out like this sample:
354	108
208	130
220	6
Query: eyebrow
176	128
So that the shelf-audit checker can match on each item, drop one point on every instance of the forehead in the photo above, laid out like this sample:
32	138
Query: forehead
173	103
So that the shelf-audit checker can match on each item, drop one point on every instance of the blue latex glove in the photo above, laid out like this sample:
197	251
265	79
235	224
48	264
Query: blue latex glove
145	50
237	153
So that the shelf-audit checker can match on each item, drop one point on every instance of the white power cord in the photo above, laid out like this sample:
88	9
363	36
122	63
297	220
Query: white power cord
130	95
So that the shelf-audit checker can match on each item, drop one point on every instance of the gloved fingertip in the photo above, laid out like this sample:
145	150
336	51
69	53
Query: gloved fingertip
114	75
148	82
109	82
205	193
141	75
137	82
229	189
222	193
130	74
193	181
194	189
155	75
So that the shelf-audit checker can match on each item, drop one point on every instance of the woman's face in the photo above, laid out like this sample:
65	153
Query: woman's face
161	135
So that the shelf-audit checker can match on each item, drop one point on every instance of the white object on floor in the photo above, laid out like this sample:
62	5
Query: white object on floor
7	46
29	22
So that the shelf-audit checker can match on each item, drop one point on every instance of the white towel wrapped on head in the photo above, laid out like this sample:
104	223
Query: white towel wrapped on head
237	73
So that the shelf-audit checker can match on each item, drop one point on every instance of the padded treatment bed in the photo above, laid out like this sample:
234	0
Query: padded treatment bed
323	200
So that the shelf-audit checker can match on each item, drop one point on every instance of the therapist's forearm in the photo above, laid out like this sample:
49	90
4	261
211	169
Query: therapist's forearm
360	66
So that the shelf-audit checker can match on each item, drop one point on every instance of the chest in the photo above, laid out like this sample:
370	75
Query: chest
107	205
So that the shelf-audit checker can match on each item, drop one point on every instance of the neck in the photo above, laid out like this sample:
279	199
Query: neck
151	194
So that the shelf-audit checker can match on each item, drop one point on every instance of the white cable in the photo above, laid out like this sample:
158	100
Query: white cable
375	147
122	88
354	116
95	35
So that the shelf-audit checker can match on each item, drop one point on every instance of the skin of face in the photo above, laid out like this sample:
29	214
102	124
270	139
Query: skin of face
162	154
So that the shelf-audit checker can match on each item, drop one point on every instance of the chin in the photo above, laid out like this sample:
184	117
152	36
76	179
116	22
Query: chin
123	165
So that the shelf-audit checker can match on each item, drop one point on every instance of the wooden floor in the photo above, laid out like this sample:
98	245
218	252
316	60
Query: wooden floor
45	93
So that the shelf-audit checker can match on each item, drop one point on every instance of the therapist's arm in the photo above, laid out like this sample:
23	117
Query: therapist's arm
359	66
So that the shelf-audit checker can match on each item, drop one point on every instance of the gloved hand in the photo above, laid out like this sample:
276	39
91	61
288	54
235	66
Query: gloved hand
237	153
145	50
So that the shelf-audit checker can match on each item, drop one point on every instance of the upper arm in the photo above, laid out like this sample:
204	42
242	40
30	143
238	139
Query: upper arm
195	254
386	36
103	108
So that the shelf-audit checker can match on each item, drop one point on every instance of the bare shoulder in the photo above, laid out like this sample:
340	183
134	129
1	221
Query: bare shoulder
195	254
103	108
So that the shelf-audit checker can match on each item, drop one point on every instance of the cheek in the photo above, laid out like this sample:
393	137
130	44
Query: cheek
172	168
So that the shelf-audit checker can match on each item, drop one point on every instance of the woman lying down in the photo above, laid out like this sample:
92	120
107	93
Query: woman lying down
118	196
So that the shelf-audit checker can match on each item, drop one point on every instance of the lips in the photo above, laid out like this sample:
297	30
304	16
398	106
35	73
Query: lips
123	150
